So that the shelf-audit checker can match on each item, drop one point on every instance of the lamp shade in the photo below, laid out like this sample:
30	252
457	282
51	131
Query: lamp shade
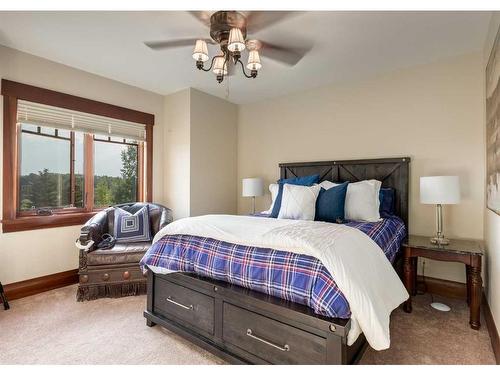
254	60
236	41
200	52
220	67
252	187
439	190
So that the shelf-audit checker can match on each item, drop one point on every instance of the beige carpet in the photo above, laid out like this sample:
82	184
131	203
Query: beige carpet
428	336
52	328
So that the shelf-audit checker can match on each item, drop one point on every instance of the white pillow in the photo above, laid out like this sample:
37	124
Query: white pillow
273	188
361	201
327	184
298	202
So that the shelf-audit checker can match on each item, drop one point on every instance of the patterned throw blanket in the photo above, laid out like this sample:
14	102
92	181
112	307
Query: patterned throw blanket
294	277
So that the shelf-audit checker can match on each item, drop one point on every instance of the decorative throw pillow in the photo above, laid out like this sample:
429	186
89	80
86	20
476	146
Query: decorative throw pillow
386	198
273	188
301	181
132	227
330	204
327	184
298	202
362	201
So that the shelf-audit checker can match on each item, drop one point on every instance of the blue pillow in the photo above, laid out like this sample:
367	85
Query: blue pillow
386	198
330	204
132	227
302	181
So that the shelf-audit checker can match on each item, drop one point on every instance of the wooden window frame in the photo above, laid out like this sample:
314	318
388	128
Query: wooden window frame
14	91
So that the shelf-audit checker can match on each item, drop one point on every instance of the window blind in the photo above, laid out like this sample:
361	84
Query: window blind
55	117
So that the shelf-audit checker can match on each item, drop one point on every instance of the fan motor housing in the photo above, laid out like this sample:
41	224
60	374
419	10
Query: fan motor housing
223	21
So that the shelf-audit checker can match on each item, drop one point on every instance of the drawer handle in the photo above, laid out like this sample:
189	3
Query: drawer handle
284	348
169	299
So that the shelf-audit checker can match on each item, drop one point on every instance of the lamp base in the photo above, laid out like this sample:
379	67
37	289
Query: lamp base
440	241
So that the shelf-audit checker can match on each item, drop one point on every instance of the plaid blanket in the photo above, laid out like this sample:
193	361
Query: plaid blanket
294	277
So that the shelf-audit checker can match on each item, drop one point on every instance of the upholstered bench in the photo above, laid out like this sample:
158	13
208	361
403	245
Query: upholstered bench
115	272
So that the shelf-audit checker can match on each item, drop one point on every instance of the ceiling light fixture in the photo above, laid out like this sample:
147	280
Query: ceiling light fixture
228	31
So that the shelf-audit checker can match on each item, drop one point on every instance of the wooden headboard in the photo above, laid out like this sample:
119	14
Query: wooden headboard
393	173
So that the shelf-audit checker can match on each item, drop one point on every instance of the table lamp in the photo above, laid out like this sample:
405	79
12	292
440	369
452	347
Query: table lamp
253	187
439	190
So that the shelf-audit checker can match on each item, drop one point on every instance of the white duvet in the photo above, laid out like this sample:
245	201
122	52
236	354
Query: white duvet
357	264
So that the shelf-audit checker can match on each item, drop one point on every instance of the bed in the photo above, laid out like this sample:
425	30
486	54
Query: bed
244	317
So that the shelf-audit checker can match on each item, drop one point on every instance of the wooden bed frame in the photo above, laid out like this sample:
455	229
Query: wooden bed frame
247	327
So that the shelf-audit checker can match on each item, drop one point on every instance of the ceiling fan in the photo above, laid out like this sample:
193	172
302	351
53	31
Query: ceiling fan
228	30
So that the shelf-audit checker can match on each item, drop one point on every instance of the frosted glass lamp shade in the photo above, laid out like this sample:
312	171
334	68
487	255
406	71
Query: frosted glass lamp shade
439	190
200	52
236	41
220	66
252	187
254	60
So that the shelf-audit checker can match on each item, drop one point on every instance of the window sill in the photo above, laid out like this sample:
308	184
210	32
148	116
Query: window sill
24	223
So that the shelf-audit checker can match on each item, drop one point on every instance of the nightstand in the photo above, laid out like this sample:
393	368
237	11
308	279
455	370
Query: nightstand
468	252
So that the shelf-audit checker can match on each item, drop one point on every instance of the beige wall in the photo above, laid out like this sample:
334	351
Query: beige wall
24	255
213	155
177	148
200	174
432	113
492	220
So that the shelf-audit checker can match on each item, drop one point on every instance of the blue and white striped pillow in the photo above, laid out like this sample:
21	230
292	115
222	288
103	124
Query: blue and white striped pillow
132	227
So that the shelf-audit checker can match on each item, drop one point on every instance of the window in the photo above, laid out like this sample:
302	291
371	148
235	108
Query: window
49	177
51	163
115	171
68	157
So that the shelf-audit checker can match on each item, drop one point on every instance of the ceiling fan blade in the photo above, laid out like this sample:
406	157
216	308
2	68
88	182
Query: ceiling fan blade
259	20
202	15
286	55
164	44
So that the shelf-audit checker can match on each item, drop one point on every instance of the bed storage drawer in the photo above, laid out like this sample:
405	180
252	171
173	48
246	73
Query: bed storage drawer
186	305
271	340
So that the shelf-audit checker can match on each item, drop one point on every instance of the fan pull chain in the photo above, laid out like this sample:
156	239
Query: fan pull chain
227	89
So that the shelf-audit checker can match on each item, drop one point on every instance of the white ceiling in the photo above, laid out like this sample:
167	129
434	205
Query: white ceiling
347	46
